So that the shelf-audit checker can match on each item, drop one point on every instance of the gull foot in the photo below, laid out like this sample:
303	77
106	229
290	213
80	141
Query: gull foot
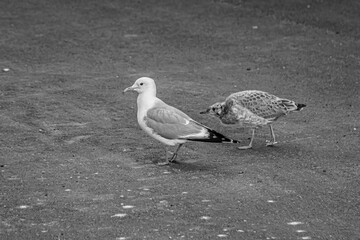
173	161
173	158
167	162
245	147
163	163
269	144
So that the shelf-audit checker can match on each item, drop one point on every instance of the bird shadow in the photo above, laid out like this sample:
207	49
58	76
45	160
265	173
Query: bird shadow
181	163
278	151
197	163
192	166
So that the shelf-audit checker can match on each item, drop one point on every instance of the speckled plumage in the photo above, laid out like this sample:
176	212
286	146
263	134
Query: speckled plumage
252	109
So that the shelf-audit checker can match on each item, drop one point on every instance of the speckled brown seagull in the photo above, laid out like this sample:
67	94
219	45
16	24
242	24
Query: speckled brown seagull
166	123
252	109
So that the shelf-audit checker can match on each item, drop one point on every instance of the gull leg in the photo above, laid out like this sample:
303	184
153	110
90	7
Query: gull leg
166	158
173	158
273	142
251	141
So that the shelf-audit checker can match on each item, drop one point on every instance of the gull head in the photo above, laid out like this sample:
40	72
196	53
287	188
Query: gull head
143	85
216	109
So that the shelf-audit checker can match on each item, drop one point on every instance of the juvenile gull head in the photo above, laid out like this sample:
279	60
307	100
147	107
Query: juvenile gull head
216	109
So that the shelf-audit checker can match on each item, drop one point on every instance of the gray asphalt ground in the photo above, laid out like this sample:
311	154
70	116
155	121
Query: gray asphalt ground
74	164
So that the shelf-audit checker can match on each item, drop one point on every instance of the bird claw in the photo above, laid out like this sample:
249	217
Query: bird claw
269	144
245	147
173	158
163	163
167	162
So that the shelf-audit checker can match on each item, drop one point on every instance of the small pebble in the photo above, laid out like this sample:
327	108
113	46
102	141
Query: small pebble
119	215
128	206
222	235
23	206
294	223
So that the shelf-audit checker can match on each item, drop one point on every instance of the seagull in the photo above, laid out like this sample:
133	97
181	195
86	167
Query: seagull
167	124
252	109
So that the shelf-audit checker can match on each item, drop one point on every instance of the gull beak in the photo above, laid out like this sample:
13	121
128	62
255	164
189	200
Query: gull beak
206	111
132	88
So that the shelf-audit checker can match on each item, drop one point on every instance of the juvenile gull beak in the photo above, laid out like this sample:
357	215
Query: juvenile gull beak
206	111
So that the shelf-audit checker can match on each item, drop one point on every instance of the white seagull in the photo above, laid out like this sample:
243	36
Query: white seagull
253	109
166	123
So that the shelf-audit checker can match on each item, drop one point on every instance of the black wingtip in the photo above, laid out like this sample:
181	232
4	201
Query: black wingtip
216	137
229	140
300	106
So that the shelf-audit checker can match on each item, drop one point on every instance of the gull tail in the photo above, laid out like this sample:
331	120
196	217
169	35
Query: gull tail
291	105
214	137
300	106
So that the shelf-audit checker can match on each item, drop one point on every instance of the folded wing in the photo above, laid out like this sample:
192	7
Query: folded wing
171	123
